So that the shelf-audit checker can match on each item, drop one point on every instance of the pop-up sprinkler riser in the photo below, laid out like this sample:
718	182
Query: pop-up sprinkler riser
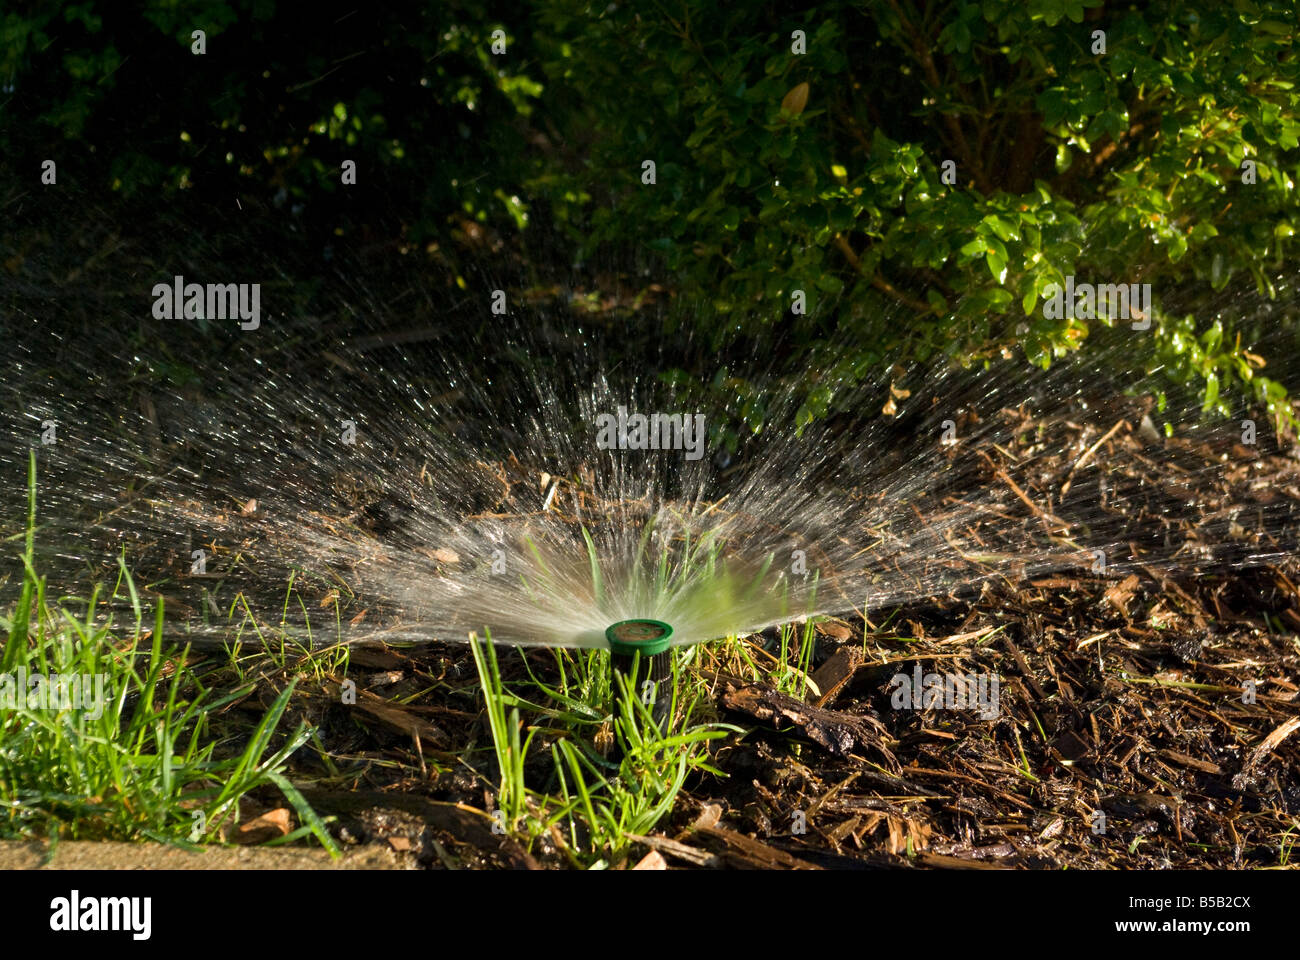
651	640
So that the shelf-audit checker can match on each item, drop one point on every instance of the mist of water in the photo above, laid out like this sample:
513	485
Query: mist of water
416	497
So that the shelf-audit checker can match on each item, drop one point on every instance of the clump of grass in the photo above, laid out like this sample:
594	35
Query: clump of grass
589	804
140	763
592	797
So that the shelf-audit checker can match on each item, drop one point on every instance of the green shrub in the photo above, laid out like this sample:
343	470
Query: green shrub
823	171
282	95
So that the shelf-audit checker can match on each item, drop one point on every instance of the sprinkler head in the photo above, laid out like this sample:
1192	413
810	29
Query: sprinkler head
646	637
651	639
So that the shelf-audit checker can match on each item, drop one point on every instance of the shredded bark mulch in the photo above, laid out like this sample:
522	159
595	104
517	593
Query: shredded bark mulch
1147	713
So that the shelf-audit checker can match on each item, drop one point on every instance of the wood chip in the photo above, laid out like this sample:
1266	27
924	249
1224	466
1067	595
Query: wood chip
1270	743
683	852
1121	593
837	732
748	852
394	717
958	863
1184	760
835	673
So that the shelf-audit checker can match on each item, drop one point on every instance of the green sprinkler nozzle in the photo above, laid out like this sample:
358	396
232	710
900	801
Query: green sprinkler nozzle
646	637
651	639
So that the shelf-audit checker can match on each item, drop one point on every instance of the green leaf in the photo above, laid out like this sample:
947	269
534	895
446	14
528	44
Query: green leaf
1030	301
997	266
1004	230
1211	392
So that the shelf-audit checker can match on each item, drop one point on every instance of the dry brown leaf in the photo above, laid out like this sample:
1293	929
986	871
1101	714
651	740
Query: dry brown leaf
652	861
268	826
836	631
710	816
795	101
